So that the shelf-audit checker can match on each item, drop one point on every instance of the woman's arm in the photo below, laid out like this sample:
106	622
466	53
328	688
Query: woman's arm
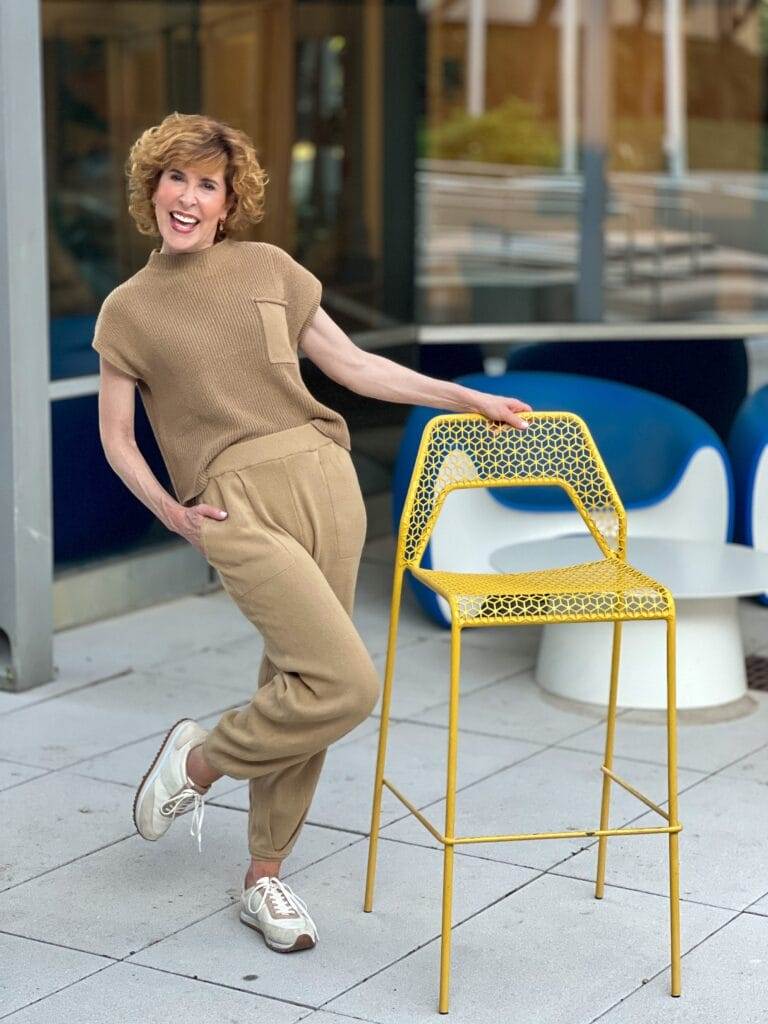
117	398
376	377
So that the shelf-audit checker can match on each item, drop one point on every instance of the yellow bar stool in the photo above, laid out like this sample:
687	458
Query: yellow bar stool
468	450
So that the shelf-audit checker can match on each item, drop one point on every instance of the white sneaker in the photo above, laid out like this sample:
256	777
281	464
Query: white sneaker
272	908
166	790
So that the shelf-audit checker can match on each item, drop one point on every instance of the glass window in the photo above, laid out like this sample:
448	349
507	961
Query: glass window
507	197
306	81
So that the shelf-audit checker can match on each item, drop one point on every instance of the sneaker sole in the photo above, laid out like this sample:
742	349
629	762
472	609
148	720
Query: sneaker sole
147	780
303	941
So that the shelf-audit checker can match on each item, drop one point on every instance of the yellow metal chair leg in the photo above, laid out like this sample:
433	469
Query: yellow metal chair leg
674	837
450	821
386	700
610	732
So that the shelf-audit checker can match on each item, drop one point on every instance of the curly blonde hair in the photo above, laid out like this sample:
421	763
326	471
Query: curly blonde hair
184	139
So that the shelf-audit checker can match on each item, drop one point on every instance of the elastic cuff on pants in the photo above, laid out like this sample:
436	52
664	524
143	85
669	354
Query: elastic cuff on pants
268	856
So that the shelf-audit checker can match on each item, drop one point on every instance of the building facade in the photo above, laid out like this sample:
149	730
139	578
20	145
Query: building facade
464	176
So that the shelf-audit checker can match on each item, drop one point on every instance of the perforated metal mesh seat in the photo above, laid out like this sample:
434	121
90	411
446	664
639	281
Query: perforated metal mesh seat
590	591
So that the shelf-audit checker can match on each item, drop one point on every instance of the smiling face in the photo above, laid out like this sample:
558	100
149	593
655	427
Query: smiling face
189	203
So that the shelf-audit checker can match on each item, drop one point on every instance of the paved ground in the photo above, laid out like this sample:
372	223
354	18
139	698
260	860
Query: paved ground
97	925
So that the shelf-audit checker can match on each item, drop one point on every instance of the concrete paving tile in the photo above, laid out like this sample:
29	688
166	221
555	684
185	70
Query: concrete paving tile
417	758
316	843
517	708
151	636
74	668
551	792
32	970
323	1017
61	684
422	673
128	994
12	774
56	818
707	739
133	893
352	944
128	764
548	953
753	768
722	847
760	906
160	635
233	665
723	979
79	725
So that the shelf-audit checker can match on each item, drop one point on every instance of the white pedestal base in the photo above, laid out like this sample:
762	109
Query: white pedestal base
574	659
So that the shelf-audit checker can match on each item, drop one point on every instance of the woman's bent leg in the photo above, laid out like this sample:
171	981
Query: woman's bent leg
279	802
317	680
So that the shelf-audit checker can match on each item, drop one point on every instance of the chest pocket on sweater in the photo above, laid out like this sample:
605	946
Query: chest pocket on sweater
274	325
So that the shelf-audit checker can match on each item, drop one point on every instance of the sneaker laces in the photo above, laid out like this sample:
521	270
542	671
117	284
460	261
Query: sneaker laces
283	897
179	803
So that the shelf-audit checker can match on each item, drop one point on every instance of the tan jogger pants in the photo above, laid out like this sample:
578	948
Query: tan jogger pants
288	554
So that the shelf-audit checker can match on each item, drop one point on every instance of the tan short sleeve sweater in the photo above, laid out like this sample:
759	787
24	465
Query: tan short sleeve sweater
211	338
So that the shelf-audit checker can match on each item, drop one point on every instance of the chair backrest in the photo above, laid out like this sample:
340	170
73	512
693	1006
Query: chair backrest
468	450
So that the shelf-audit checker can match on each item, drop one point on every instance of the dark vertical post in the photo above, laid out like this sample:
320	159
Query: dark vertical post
26	544
596	92
403	76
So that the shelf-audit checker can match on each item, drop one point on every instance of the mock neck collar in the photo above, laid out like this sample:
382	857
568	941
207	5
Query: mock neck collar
200	259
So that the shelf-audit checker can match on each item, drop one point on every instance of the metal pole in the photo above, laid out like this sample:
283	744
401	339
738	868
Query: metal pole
569	86
675	141
26	550
476	30
597	87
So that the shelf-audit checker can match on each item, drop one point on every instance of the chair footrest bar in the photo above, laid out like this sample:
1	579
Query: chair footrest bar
414	811
635	792
569	834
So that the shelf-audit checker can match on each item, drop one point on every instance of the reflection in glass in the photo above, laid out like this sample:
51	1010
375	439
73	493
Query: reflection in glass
501	185
304	81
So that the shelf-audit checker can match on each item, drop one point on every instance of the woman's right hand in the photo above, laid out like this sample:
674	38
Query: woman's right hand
191	520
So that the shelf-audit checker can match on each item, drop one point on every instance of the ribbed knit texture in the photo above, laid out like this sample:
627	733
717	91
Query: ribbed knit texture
211	338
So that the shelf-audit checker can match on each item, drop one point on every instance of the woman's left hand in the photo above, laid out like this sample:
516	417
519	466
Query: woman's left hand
501	409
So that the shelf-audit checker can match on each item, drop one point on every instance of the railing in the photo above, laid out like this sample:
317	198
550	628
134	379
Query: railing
505	197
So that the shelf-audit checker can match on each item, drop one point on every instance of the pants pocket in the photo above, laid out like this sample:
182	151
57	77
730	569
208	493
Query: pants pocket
205	498
244	550
346	498
203	545
274	326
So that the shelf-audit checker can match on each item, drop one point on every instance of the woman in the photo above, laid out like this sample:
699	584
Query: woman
265	487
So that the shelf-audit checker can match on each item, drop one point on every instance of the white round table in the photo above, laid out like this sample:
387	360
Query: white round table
705	579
